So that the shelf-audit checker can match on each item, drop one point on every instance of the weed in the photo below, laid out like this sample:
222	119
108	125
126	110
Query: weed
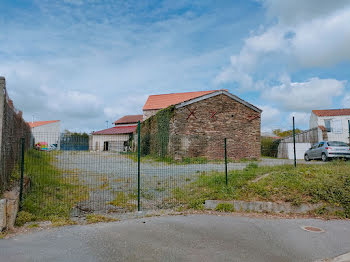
122	200
96	218
224	207
24	217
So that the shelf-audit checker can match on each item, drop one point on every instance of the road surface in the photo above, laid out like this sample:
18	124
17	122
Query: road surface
183	238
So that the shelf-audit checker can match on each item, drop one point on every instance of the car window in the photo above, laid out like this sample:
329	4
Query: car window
314	146
321	144
336	143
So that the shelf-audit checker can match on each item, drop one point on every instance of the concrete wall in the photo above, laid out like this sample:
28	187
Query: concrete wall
286	150
203	134
115	142
49	133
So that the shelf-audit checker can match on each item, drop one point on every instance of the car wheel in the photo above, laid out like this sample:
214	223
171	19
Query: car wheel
306	157
324	157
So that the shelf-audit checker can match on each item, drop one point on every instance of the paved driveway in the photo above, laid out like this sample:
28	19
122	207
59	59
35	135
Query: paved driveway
183	238
105	174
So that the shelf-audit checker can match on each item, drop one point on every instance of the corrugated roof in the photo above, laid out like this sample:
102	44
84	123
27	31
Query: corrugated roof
332	112
165	100
129	119
116	130
41	123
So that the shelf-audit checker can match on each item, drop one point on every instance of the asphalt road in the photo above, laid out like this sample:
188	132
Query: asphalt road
183	238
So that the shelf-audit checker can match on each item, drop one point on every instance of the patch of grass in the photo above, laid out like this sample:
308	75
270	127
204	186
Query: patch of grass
3	235
35	225
328	184
225	207
96	218
123	200
53	192
24	217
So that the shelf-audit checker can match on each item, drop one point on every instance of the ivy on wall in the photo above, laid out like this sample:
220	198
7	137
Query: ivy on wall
155	133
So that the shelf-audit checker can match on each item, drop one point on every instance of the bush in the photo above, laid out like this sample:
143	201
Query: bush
269	146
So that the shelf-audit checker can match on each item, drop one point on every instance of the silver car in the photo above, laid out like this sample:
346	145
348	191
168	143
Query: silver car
326	150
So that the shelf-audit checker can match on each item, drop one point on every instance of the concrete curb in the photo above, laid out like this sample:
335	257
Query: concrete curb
260	206
342	258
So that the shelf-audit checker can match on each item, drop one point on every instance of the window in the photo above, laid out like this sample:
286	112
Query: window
321	144
327	124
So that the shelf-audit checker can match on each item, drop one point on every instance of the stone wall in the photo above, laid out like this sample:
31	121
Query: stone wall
12	129
202	133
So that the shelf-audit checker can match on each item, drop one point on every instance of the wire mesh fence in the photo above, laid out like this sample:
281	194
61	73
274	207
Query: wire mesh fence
77	174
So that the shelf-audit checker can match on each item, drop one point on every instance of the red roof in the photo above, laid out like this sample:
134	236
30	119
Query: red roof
129	119
165	100
116	130
332	112
41	123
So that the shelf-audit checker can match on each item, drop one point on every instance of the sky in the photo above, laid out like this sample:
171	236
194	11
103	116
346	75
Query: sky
86	62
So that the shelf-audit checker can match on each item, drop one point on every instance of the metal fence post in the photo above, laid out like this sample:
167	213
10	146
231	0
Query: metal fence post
226	161
22	174
138	164
295	156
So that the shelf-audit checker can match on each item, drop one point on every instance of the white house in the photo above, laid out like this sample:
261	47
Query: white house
116	138
335	121
46	131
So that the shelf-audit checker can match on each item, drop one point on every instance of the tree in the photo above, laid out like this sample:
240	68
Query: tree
286	133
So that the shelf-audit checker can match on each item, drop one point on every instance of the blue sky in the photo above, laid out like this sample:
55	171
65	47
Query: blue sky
88	61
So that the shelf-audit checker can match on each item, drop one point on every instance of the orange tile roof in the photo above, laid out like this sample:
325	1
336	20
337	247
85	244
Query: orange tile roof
129	119
165	100
41	123
332	112
116	130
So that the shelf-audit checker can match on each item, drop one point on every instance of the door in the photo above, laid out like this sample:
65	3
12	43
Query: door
105	146
318	150
312	152
349	130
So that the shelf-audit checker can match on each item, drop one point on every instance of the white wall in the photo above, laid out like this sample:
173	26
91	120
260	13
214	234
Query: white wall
49	133
97	142
300	149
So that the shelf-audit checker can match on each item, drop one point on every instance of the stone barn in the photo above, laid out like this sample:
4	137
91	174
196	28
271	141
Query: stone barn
195	124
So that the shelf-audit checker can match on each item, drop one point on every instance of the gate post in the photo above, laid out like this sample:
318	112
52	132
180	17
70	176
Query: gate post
22	171
226	161
138	165
295	156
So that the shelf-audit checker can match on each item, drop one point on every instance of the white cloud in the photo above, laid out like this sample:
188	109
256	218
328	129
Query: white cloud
301	119
305	96
299	11
270	115
346	100
318	38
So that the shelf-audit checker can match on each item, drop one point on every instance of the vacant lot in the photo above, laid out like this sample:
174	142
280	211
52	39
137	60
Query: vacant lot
67	183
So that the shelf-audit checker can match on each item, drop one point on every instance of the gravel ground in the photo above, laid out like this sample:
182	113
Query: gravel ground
105	174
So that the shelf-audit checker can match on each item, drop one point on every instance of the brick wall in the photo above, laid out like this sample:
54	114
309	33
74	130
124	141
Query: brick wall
213	119
12	129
